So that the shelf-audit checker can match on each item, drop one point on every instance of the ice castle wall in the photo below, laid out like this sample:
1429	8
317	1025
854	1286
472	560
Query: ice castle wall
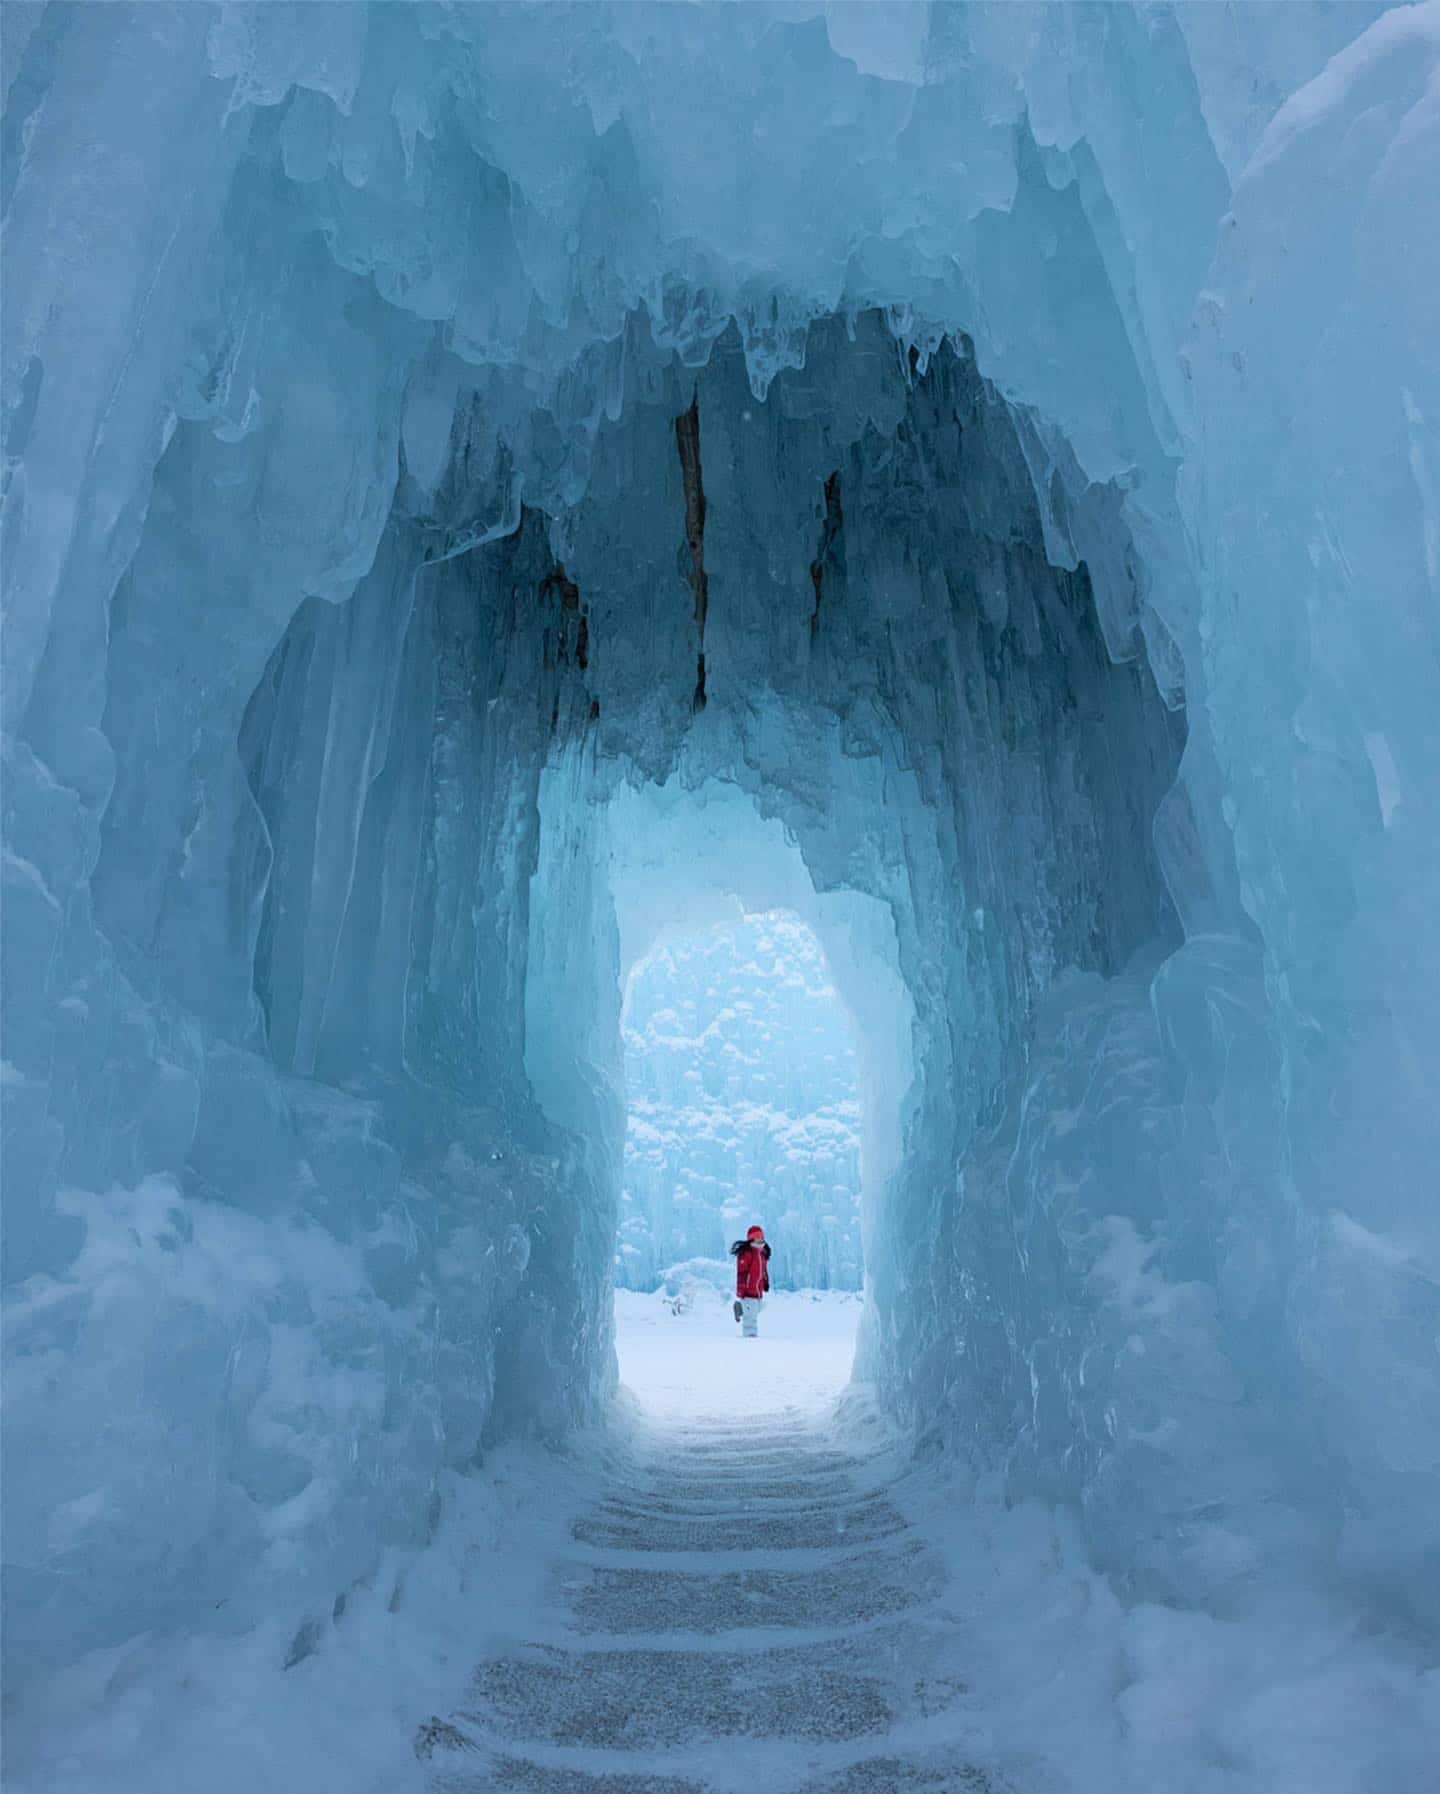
359	290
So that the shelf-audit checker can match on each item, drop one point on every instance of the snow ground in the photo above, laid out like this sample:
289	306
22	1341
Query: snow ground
738	1550
681	1366
216	1715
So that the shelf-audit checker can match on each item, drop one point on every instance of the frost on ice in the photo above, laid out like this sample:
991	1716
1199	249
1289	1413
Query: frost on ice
1037	597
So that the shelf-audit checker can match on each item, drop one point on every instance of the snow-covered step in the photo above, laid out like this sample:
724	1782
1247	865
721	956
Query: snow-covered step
855	1588
740	1591
518	1775
718	1499
883	1775
869	1775
717	1487
744	1443
656	1700
622	1525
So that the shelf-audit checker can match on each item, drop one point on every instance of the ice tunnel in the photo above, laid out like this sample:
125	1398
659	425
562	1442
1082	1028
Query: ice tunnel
486	486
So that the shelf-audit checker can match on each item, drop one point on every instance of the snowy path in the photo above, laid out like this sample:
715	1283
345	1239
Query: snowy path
742	1608
739	1611
732	1587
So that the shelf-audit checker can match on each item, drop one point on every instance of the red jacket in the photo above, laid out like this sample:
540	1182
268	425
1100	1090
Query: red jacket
752	1272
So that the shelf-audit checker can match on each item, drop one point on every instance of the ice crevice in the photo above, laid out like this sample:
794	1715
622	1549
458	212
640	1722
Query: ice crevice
487	486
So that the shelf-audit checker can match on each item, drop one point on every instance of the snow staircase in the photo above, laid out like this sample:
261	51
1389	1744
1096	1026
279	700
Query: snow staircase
742	1612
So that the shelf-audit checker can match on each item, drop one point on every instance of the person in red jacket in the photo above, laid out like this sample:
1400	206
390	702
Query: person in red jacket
752	1278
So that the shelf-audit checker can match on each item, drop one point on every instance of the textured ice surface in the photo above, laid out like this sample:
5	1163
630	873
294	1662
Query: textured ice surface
741	1105
965	474
971	1650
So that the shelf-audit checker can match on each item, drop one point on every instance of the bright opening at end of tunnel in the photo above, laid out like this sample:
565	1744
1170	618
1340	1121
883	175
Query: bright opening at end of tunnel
743	1110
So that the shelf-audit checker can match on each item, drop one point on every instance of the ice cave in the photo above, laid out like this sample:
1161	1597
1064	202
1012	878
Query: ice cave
495	492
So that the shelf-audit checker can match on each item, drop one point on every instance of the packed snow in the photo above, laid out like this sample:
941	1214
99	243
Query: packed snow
803	1528
682	1355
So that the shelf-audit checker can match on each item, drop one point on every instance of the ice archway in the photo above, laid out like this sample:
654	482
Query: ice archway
691	855
749	1080
452	452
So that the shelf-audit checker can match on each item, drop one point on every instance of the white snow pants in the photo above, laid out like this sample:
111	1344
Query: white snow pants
750	1317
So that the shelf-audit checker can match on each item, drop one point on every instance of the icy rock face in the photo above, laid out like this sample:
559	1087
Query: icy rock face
741	1105
996	442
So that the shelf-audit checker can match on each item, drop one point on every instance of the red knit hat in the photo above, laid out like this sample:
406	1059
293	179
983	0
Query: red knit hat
755	1233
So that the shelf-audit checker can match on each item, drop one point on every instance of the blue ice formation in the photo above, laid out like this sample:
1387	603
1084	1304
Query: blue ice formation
742	1105
484	484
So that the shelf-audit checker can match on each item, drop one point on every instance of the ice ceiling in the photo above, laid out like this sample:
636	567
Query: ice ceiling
459	459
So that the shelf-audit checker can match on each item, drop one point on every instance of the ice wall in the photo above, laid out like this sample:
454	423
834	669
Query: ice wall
741	1105
423	424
